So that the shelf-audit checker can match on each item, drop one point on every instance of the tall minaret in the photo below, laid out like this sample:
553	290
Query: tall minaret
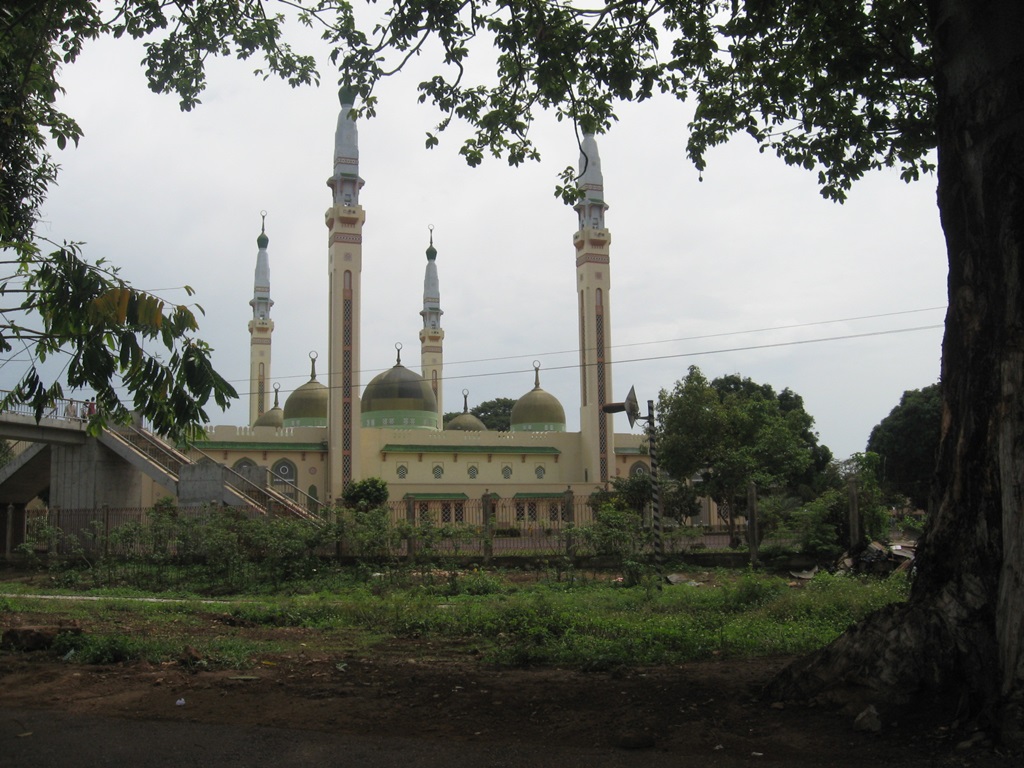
432	335
593	283
344	221
261	328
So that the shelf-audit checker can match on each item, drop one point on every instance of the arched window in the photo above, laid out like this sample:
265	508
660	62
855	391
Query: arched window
348	279
638	468
244	465
284	473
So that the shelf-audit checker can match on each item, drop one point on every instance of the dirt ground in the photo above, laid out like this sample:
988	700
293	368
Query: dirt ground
420	703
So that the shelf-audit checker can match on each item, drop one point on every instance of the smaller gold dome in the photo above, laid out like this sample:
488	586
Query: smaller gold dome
275	416
466	421
272	418
307	405
537	410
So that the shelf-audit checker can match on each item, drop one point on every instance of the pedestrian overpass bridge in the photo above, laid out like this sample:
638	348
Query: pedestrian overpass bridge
55	457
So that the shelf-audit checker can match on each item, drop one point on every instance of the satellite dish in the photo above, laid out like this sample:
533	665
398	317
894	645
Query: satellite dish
632	407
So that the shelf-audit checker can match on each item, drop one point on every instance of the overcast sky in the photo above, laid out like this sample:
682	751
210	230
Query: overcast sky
749	271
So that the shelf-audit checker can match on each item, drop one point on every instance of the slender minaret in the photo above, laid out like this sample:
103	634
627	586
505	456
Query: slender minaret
261	328
432	335
344	221
593	283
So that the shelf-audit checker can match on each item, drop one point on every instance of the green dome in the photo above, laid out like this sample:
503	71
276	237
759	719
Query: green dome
262	241
307	405
399	398
347	94
537	410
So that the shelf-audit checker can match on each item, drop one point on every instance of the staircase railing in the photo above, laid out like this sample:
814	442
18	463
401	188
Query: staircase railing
265	498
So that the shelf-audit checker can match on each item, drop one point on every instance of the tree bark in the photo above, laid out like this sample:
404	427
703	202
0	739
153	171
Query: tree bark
962	631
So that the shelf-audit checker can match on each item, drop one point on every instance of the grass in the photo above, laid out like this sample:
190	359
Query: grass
589	623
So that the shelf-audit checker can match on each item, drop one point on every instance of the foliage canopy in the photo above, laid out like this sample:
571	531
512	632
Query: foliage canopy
907	441
731	430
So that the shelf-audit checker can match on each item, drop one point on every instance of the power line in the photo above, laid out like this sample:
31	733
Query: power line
767	329
724	350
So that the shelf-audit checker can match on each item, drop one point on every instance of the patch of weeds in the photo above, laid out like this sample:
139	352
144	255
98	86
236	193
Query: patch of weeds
480	583
231	653
106	649
752	590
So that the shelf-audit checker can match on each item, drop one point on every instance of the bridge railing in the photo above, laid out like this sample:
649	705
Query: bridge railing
64	409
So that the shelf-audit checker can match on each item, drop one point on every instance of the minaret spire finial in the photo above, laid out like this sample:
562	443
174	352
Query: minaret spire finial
465	401
277	388
398	353
536	374
312	365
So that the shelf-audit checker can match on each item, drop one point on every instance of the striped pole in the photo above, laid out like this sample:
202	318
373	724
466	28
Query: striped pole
659	550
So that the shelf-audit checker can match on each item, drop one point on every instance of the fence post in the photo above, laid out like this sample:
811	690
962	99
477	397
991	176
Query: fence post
10	532
854	514
106	529
486	506
410	518
752	521
570	517
51	547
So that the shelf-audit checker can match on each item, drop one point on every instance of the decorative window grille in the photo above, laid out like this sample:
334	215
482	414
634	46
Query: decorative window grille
472	471
539	472
438	471
402	471
506	472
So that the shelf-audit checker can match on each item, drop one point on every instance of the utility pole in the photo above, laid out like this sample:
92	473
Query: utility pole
631	407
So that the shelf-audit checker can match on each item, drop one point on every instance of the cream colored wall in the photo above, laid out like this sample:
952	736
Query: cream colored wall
271	445
452	451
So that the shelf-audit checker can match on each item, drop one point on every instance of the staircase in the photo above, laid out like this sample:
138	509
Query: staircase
164	463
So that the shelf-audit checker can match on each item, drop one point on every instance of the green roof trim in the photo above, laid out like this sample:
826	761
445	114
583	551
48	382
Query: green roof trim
400	448
228	445
557	495
436	496
628	450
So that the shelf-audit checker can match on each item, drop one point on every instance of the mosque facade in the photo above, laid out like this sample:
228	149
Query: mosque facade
336	428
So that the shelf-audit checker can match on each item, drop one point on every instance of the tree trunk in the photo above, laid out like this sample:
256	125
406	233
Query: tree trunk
963	628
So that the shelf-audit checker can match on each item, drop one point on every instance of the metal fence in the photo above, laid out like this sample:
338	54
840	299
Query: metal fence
485	527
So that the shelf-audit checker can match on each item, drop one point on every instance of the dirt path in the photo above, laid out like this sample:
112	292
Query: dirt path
416	705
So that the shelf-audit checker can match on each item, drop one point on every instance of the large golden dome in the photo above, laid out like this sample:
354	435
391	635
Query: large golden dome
400	399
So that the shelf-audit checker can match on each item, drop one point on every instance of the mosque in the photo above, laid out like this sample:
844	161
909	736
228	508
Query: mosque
335	428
